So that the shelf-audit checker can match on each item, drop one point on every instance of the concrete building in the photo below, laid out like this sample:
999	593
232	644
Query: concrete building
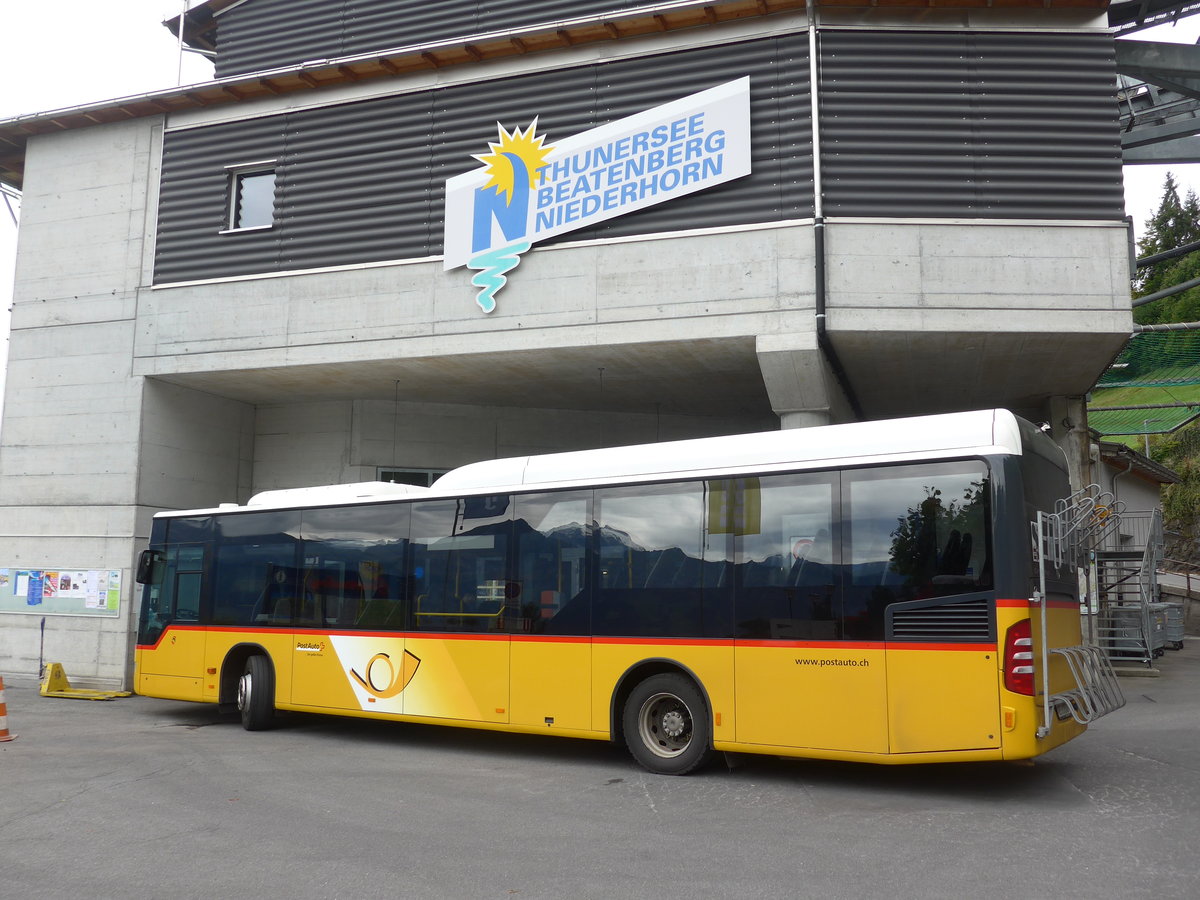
240	286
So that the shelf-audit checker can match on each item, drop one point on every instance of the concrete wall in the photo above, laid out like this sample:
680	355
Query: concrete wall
334	442
68	462
196	449
677	288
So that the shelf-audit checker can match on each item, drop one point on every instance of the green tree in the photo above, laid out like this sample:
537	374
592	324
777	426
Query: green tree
935	524
1181	502
1175	223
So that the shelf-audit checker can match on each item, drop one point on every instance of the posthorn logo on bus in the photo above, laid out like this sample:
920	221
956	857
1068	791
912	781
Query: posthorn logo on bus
529	189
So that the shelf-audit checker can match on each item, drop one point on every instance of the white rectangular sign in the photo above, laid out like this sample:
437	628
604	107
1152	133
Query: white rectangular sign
528	190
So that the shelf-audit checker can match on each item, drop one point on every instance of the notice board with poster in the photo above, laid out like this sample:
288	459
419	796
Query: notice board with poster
65	592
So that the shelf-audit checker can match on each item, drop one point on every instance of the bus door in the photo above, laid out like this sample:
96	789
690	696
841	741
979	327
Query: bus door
549	611
351	616
800	681
457	646
170	641
918	574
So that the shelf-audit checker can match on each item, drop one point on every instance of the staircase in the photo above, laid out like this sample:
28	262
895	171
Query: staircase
1130	624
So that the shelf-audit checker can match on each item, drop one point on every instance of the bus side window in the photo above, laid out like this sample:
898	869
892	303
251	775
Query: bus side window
459	563
187	592
651	578
786	559
915	533
551	550
256	579
354	560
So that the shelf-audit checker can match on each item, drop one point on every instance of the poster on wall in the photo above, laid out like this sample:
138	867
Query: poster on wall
68	592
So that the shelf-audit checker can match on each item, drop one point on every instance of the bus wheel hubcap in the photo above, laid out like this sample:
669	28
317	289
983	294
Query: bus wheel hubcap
673	724
665	725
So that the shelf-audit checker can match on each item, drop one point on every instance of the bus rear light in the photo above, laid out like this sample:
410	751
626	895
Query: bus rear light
1018	659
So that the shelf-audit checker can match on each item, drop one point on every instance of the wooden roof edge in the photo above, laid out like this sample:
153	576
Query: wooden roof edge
317	74
614	25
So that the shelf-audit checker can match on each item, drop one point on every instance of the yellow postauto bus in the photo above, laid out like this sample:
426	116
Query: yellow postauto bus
860	592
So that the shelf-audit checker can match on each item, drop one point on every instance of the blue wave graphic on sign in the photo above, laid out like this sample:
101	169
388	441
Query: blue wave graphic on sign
494	266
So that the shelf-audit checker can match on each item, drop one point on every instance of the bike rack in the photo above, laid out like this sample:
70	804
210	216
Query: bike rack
1063	539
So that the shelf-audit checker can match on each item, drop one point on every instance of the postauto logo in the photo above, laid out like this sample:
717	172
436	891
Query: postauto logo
528	190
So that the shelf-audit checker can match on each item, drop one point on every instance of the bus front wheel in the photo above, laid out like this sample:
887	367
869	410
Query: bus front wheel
666	725
256	694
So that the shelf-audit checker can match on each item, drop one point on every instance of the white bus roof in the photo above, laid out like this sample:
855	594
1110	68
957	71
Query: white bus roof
993	431
979	433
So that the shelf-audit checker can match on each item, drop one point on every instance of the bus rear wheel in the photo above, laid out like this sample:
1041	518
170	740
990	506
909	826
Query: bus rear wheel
666	725
256	694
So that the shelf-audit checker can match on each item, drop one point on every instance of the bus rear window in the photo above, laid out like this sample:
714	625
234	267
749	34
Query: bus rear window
916	532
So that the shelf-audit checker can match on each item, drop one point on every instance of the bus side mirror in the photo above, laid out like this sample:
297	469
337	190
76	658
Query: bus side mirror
149	567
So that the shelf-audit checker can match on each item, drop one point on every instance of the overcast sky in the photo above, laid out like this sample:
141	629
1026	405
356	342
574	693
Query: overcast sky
60	53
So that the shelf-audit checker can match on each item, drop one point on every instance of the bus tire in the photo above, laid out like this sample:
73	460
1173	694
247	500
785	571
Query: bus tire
666	725
256	694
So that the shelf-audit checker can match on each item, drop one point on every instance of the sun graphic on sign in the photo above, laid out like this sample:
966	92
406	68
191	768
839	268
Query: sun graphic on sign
525	146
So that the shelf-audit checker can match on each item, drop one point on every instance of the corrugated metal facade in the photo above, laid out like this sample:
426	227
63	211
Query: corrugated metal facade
363	182
913	124
264	34
968	124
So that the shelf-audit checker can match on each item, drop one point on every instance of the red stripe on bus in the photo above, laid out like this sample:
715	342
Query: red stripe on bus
451	636
167	631
990	648
582	639
866	645
814	645
674	642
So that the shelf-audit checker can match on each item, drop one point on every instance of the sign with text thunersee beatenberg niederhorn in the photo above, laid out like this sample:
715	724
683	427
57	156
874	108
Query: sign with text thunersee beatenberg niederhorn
529	189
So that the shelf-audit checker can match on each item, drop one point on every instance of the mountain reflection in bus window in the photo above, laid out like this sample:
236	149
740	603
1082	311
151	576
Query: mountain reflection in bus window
551	543
651	561
788	582
459	562
354	568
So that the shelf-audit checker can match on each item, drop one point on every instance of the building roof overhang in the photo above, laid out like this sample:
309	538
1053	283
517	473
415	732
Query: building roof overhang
1124	457
616	25
200	24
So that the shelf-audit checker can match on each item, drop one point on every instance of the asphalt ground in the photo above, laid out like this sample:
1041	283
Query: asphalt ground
142	798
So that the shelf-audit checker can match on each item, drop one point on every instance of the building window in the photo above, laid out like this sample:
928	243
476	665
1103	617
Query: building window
419	477
251	196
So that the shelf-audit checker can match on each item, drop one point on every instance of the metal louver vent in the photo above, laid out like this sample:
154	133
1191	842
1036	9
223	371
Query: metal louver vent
965	621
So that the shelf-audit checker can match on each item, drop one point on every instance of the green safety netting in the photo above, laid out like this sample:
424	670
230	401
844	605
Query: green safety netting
1154	359
1156	368
1140	421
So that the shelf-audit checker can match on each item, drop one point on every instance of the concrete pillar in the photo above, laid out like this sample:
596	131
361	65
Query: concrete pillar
799	382
1068	427
806	418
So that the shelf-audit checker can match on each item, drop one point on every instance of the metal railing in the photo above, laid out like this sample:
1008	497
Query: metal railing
1130	623
1065	540
1137	530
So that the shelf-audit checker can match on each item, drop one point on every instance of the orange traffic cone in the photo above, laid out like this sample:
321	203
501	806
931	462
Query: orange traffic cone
4	735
